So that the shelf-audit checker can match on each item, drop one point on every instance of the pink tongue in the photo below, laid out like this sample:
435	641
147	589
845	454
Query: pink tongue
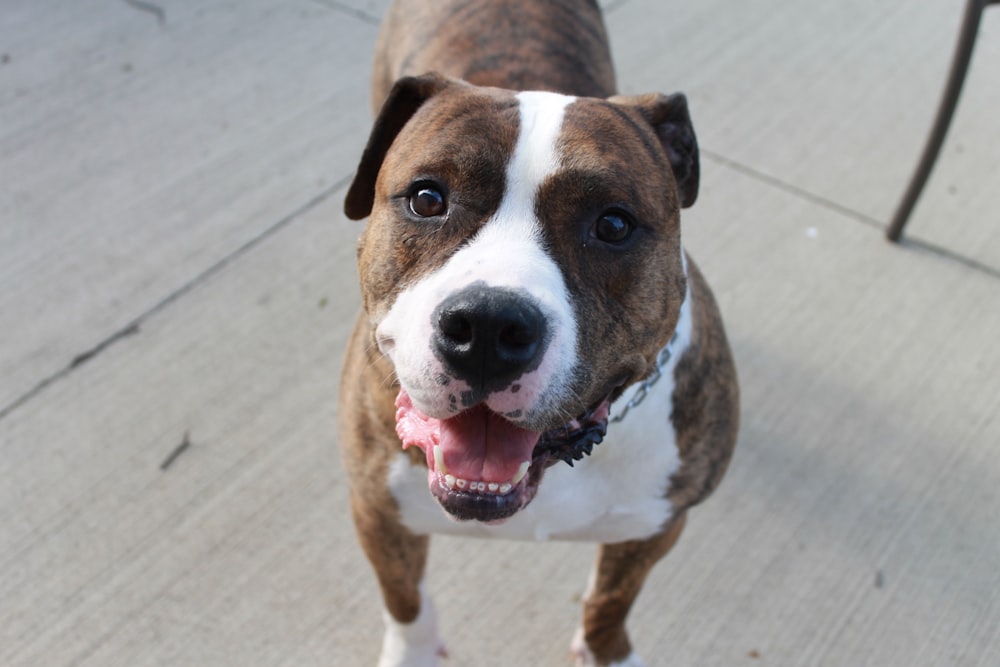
478	444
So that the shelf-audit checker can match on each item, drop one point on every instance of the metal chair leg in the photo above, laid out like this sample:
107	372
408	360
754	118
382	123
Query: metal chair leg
956	77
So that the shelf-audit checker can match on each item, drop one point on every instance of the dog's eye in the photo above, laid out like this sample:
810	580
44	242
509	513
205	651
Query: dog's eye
427	201
614	227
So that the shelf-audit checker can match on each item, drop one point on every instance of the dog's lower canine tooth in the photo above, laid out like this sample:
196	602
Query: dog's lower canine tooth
521	472
450	481
504	488
439	460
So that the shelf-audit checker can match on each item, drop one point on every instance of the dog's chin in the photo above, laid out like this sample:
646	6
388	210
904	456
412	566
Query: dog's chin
483	468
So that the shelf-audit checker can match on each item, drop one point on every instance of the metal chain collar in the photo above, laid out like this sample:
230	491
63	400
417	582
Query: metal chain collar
643	389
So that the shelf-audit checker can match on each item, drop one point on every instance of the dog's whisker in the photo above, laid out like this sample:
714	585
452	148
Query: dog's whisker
390	379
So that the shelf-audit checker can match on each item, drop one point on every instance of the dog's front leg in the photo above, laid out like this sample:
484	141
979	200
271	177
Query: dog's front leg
618	576
399	557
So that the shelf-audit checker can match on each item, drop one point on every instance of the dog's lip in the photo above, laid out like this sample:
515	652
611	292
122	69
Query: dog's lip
577	437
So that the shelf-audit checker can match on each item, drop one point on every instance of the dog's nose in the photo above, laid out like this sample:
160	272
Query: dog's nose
489	336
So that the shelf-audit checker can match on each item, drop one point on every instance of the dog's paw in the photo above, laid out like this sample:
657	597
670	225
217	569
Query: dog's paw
583	657
413	644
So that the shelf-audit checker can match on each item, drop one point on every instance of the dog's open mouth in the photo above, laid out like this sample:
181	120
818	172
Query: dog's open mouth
481	466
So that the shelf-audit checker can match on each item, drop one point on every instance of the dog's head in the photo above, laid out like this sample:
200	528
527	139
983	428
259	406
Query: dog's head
521	267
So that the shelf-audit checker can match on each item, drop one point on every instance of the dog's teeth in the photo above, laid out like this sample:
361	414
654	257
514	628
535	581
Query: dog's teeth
495	488
439	460
521	472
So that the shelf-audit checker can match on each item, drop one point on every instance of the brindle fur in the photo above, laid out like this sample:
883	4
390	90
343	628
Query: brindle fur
560	46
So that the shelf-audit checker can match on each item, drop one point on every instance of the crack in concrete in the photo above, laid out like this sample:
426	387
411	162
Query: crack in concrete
347	9
134	327
149	8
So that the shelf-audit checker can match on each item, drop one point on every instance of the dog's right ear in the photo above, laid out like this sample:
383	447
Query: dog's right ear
406	96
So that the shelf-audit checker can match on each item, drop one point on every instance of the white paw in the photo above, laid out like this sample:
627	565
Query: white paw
413	644
584	658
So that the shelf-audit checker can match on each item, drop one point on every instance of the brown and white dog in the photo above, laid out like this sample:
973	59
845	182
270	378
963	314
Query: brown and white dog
526	295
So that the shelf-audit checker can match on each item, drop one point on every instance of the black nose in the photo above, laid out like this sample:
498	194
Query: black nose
489	336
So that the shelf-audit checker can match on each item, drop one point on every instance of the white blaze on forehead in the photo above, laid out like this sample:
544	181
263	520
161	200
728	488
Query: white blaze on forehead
536	155
535	158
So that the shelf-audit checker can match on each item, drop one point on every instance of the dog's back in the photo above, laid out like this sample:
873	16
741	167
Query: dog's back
555	45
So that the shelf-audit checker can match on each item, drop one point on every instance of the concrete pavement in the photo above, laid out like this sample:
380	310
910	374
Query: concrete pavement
175	267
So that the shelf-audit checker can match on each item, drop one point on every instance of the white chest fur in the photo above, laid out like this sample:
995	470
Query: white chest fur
618	493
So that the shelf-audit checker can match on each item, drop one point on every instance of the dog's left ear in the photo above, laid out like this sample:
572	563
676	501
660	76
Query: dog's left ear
669	117
406	96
